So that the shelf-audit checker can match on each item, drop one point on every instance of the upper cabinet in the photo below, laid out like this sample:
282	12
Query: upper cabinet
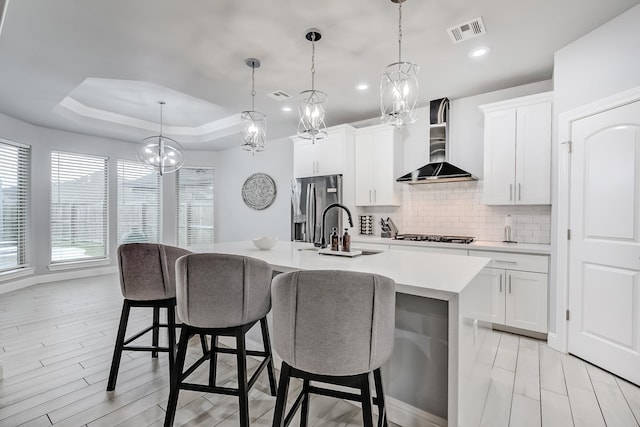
325	156
517	151
378	162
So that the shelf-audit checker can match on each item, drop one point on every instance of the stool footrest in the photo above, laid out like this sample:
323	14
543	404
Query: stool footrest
209	389
142	348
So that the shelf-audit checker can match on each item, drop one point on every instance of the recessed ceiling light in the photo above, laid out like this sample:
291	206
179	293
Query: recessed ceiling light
286	109
362	86
479	52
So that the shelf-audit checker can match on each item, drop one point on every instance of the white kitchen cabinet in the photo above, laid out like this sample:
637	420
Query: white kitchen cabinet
325	156
378	157
517	151
519	284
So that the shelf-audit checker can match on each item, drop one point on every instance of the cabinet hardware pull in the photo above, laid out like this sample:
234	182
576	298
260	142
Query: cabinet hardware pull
509	283
505	262
370	196
519	192
375	196
510	192
500	282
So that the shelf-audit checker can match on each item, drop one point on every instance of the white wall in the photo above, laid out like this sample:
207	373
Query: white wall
234	219
602	63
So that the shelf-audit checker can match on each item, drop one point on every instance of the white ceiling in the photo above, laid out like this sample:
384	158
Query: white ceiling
111	60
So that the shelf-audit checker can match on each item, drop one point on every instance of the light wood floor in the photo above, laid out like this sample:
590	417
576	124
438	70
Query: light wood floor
56	342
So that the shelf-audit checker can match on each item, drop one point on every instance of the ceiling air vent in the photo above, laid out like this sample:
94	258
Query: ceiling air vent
279	95
467	30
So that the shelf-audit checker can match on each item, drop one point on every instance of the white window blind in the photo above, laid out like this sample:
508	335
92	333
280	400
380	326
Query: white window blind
15	195
195	206
138	203
79	206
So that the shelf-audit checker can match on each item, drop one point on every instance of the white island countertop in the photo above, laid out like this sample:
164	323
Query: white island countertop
429	275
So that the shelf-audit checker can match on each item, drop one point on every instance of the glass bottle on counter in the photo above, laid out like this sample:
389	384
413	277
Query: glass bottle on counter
335	239
346	241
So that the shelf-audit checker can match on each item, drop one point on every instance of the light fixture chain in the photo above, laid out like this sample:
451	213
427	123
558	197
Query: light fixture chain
313	60
400	31
161	104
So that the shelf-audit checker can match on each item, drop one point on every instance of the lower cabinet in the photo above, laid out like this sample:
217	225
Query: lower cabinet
519	297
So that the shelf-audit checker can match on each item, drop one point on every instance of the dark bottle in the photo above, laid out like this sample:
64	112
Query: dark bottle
346	241
335	239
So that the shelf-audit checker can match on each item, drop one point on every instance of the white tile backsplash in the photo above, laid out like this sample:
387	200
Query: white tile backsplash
456	208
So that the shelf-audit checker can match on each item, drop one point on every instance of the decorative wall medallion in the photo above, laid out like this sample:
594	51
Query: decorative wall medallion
259	191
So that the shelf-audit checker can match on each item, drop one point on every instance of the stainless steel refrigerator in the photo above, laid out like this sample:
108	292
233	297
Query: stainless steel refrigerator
309	197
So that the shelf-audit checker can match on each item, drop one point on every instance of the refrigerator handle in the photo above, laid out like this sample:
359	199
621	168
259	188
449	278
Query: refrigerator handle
307	225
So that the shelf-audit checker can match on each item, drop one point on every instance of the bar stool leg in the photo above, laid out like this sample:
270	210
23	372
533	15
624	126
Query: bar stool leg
304	415
117	351
171	331
176	376
243	387
156	330
267	348
213	361
365	391
283	392
382	409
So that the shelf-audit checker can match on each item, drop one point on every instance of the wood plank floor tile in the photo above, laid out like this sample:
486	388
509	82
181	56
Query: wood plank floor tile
615	409
507	355
527	378
497	409
584	407
525	412
631	393
551	371
556	410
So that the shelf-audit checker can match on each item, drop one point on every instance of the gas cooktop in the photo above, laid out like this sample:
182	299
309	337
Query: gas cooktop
434	238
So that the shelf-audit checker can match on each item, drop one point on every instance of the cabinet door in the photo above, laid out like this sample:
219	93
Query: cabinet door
364	164
493	278
526	302
499	157
384	180
533	155
330	155
304	158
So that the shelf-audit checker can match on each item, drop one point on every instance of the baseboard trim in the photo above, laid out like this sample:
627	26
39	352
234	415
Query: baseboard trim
15	285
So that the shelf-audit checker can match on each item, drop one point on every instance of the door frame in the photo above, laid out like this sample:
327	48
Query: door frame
559	339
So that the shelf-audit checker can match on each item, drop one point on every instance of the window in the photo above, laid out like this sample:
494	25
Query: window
138	203
195	206
79	205
15	193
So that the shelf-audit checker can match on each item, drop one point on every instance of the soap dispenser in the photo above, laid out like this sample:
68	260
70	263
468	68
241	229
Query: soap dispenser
335	239
346	241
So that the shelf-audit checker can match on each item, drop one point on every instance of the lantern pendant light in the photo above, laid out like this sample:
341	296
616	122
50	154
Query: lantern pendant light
399	86
253	123
161	153
312	103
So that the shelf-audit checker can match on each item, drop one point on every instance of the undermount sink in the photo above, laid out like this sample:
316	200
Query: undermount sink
364	251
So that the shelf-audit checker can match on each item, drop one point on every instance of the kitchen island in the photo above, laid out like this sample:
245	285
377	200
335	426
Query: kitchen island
437	374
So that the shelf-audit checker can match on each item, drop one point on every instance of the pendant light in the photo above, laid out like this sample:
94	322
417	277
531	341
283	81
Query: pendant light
399	86
161	153
253	123
311	103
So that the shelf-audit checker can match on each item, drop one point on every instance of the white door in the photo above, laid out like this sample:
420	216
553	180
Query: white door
604	266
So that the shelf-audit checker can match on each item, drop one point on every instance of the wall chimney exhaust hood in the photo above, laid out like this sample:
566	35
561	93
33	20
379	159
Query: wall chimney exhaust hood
438	169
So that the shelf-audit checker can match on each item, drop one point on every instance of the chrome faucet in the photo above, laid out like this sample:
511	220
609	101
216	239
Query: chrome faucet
323	241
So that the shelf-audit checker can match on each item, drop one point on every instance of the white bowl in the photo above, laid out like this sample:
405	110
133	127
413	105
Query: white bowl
265	243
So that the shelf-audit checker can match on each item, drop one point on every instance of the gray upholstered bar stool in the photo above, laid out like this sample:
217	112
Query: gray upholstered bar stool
147	279
332	327
221	295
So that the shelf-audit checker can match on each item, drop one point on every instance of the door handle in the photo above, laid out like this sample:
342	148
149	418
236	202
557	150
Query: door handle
499	261
375	198
509	283
318	166
519	192
500	282
511	192
369	196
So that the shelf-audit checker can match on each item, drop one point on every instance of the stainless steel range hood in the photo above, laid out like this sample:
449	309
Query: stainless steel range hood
438	169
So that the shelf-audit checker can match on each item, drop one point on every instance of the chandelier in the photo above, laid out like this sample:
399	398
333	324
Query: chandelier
399	86
311	103
161	153
253	123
